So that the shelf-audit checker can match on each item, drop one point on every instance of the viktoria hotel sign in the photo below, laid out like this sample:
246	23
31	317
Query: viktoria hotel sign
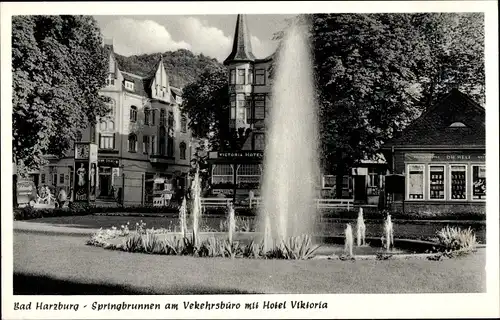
445	157
238	154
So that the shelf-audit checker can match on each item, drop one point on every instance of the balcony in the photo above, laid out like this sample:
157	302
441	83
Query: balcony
161	159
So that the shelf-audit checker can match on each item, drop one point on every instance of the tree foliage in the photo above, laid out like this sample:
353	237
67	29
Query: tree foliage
182	66
59	66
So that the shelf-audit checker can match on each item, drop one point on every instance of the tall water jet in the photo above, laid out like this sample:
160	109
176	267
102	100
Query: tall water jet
196	205
290	159
231	222
389	233
348	244
360	229
182	217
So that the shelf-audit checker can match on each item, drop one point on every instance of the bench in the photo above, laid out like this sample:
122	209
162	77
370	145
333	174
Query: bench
320	203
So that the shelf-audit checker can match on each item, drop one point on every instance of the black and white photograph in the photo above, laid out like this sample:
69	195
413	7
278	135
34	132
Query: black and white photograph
249	163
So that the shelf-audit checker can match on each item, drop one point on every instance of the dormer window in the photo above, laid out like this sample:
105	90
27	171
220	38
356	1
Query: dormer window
129	85
458	125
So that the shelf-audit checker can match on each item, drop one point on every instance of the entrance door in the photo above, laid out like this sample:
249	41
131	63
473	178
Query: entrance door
360	188
104	182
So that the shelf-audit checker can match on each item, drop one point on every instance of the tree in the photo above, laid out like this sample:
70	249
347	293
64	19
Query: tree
375	73
59	65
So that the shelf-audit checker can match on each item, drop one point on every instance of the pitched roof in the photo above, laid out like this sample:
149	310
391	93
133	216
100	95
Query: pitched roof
140	83
432	128
242	46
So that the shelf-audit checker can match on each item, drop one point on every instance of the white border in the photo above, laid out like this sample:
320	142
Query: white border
466	165
429	181
341	306
408	181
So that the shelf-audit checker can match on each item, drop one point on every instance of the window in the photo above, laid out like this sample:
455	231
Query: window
163	137
133	114
182	150
436	183
163	117
146	116
153	144
54	179
241	76
259	141
328	182
233	106
145	144
111	105
153	117
78	136
248	173
260	106
170	119
250	76
42	178
232	76
373	178
458	182
260	77
110	80
111	126
241	102
129	85
103	126
132	143
107	141
61	178
415	182
170	146
183	124
478	182
222	173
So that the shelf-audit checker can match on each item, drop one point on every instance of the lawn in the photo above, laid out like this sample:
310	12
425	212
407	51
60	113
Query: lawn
63	264
402	229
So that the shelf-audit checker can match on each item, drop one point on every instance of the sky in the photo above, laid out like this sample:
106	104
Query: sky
211	35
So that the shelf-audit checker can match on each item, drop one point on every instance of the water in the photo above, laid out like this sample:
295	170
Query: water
231	222
360	229
348	240
388	233
290	159
182	217
196	207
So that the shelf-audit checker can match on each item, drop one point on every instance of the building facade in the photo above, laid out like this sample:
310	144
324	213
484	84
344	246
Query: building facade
438	162
143	142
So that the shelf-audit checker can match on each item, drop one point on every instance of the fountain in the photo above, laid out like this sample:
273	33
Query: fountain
196	206
361	229
231	222
388	231
290	159
348	240
182	217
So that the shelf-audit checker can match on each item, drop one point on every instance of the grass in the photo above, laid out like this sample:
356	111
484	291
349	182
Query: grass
69	262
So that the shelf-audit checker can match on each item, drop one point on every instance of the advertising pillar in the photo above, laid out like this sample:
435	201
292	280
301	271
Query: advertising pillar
84	188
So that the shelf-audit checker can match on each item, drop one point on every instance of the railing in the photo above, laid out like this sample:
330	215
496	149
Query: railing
215	202
320	203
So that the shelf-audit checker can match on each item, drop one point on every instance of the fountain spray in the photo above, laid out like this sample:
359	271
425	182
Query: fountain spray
291	167
231	222
389	236
196	208
182	217
348	240
361	229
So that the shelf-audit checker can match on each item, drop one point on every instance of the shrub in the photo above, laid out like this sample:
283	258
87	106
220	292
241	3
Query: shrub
152	244
133	243
173	246
299	247
454	238
232	249
242	224
212	247
253	250
190	247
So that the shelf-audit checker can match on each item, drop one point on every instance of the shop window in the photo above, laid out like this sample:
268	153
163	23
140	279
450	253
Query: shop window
222	173
241	76
132	143
415	182
436	183
260	77
373	178
61	178
478	182
248	173
458	182
133	114
182	150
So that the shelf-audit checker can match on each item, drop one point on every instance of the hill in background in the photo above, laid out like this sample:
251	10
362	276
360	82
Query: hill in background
182	65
